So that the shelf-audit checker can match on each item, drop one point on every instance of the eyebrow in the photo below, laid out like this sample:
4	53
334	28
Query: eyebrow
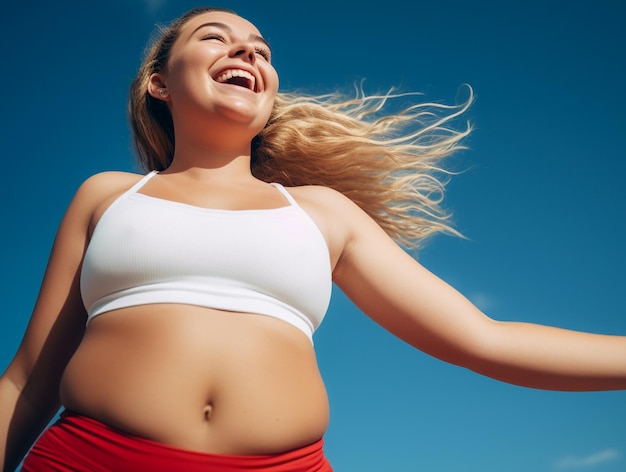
224	26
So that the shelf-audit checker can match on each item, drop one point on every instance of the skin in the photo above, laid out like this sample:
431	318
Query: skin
240	383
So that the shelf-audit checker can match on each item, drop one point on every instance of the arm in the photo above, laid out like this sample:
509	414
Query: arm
29	388
406	299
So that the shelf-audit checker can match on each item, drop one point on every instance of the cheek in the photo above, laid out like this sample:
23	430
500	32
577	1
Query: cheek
191	66
271	78
277	81
186	84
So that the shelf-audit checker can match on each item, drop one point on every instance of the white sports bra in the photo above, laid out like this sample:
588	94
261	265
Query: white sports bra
148	250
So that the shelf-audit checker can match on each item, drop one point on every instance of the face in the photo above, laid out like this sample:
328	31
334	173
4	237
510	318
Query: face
219	67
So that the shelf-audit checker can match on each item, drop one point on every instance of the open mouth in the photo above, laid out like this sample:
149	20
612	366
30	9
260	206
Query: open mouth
238	77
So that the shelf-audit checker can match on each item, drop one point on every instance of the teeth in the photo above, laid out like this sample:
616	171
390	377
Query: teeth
229	74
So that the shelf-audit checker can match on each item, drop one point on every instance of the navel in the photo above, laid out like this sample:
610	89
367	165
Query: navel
208	412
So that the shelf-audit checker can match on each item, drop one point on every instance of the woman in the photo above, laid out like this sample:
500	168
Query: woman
175	319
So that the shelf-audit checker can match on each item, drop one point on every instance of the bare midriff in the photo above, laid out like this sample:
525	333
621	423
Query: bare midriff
199	379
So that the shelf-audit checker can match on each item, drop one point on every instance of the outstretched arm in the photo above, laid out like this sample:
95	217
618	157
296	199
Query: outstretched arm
403	297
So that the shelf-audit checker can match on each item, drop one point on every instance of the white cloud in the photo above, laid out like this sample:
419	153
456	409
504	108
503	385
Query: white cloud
589	461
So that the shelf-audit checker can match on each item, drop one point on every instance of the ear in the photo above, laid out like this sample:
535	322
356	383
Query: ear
157	88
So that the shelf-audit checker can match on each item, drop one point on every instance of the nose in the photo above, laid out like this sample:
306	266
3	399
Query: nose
244	50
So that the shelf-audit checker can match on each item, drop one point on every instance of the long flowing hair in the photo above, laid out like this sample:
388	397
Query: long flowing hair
390	164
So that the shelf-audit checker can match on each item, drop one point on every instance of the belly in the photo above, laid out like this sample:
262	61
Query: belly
199	379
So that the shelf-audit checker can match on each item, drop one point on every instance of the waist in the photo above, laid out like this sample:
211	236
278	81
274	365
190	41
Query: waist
200	379
87	444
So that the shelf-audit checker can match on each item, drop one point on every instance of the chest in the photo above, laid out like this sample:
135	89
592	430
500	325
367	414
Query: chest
142	240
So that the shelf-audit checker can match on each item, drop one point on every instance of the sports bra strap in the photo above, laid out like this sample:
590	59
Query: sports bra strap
286	194
142	181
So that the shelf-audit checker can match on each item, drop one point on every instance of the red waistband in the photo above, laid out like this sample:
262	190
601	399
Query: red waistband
78	443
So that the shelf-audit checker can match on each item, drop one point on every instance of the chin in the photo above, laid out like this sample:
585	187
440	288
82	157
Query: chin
244	113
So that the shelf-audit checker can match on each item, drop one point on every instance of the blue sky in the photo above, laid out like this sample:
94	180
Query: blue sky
541	201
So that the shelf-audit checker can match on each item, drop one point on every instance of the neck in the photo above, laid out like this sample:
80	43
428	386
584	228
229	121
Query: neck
211	162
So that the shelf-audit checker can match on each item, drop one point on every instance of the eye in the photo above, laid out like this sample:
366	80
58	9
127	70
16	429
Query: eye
215	36
263	52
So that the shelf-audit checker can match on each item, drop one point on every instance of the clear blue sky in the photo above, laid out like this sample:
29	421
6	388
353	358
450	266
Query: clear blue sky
543	201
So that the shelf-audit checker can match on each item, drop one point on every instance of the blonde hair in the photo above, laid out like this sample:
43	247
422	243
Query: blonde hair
388	164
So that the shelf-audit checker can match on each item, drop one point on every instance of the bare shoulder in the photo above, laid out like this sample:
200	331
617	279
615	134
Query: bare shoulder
324	197
97	192
109	182
101	186
336	215
332	206
338	207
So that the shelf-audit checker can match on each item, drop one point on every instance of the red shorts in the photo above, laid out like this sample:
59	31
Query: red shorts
76	443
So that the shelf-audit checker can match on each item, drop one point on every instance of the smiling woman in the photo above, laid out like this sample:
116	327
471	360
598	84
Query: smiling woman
176	318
